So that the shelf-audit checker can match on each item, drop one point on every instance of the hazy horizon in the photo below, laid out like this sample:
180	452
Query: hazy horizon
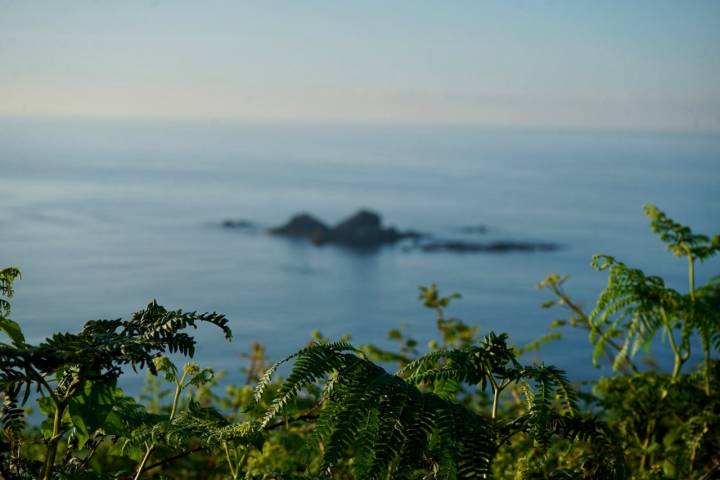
160	121
578	65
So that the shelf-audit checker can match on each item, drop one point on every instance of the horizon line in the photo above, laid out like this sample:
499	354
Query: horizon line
329	122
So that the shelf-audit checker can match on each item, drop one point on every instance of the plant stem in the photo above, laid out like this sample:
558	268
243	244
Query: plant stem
178	390
691	276
706	361
497	389
233	471
149	448
649	432
92	451
54	441
703	335
41	381
709	474
676	367
676	351
174	457
496	394
148	451
60	405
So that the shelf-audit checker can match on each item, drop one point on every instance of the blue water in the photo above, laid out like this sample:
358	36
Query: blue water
102	216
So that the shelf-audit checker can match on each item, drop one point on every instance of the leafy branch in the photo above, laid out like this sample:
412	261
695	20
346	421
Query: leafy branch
75	374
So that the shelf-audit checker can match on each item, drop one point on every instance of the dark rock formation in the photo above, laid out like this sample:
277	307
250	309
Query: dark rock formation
243	224
304	226
501	246
365	229
362	230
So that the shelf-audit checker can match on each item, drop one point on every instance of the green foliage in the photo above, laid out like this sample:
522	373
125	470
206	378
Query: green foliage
10	328
454	331
75	374
90	407
665	426
399	427
470	407
667	422
635	306
680	239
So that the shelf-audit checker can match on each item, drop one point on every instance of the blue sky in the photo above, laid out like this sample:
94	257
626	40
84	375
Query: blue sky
617	64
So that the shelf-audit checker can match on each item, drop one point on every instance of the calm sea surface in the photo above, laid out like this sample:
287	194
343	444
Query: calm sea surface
103	216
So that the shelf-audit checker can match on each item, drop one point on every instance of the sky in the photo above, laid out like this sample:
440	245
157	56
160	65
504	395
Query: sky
644	64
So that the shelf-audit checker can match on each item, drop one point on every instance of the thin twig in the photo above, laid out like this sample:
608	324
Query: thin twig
710	473
173	458
580	313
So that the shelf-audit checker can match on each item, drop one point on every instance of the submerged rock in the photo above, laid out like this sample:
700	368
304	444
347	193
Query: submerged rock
501	246
243	224
473	229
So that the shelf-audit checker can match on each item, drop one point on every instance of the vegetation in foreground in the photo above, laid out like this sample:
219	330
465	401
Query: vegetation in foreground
469	408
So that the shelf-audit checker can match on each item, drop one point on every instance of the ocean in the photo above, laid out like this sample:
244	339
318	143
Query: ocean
102	216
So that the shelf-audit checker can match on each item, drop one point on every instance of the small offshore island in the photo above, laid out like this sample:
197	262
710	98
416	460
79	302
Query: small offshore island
364	230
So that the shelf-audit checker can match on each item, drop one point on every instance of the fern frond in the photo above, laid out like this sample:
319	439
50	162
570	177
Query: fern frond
311	364
472	365
190	426
680	238
266	378
390	428
7	276
360	394
12	418
365	439
393	408
634	306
